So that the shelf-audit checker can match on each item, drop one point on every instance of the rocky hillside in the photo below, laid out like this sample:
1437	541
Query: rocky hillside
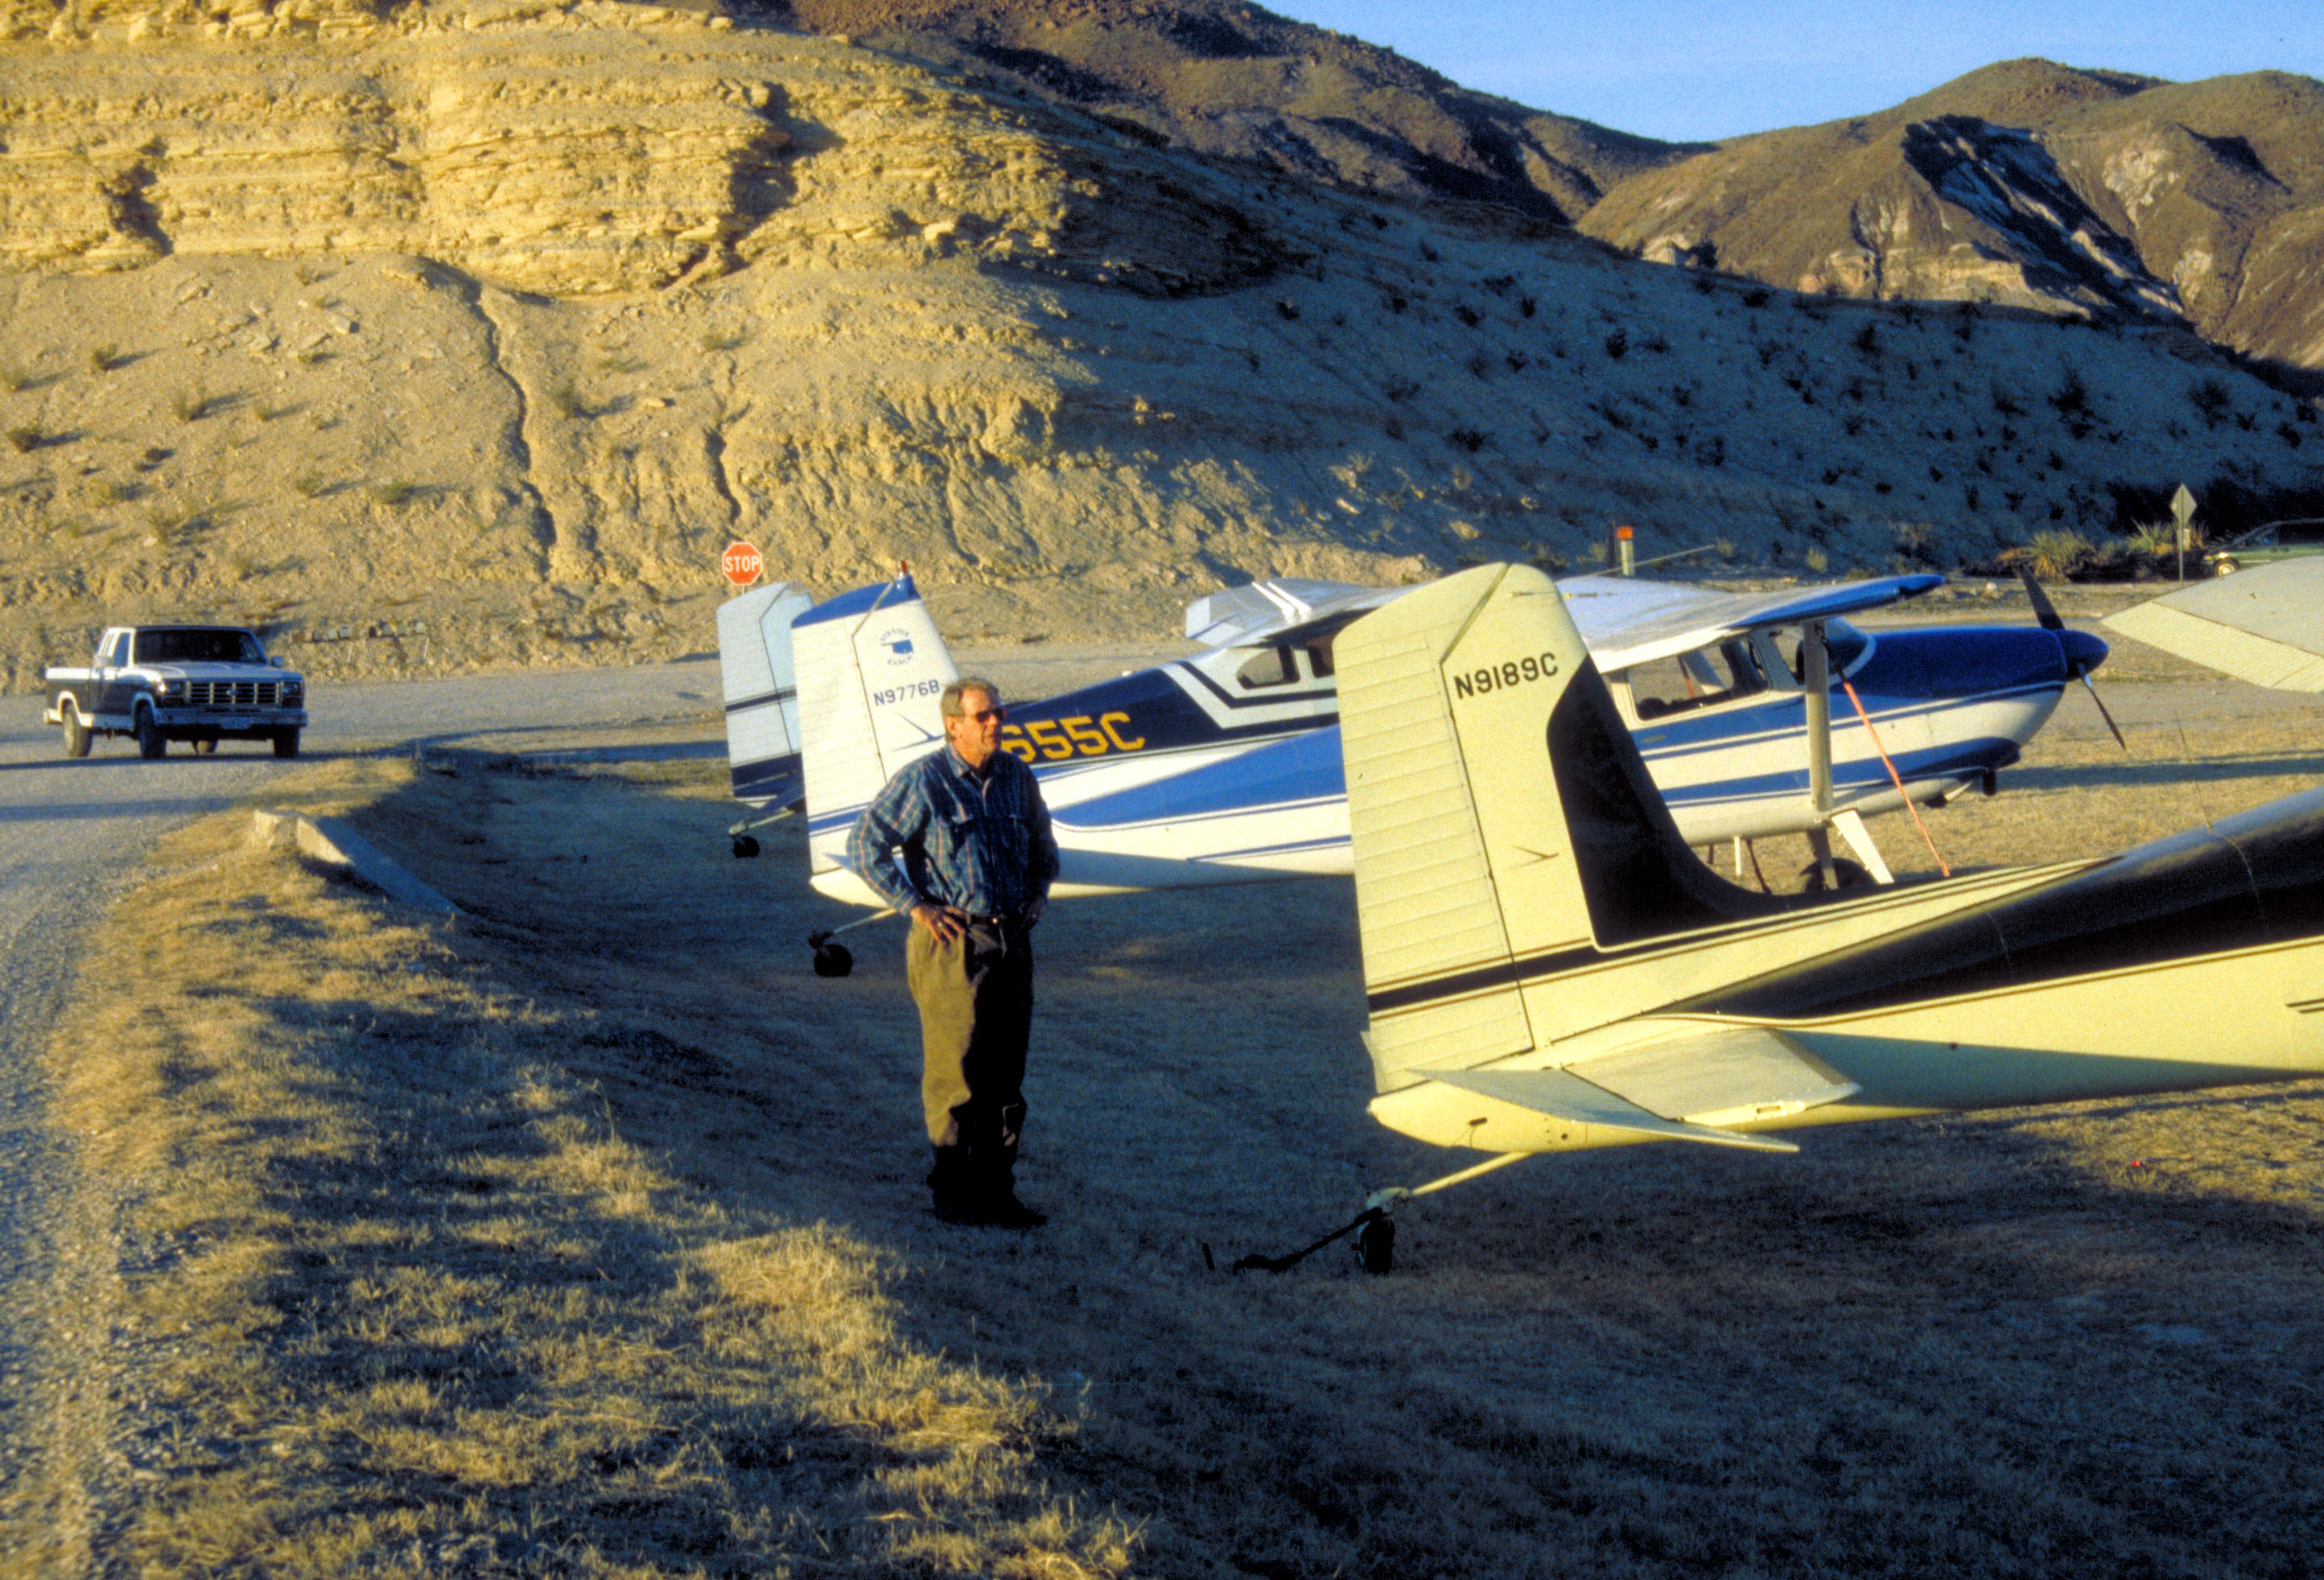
469	333
1225	78
2026	183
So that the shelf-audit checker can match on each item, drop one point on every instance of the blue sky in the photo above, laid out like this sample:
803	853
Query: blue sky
1684	69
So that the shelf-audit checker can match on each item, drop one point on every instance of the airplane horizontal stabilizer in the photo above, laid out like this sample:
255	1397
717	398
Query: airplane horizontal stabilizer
1719	1075
1565	1096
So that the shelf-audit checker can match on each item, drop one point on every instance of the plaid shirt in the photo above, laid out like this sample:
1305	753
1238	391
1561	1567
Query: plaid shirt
979	841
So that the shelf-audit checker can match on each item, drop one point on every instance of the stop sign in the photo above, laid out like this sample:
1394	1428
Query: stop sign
741	563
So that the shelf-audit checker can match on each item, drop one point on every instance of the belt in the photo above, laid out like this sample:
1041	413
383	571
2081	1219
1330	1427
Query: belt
1001	919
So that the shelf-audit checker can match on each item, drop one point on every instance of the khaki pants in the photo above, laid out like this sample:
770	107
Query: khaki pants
976	995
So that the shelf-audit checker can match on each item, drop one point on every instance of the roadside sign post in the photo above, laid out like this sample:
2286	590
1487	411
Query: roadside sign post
2183	510
741	564
1625	544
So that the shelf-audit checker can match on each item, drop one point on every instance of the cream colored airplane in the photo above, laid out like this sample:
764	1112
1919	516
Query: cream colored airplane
1549	967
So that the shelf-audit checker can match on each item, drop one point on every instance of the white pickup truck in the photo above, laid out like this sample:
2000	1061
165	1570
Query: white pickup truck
165	683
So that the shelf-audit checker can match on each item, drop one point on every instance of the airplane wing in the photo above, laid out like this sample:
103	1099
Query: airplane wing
1627	621
1286	610
2265	625
1688	1086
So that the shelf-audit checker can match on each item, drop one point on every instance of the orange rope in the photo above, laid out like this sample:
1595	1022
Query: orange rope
1894	777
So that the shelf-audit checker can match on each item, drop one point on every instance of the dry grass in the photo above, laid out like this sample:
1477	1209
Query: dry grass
417	1301
587	1240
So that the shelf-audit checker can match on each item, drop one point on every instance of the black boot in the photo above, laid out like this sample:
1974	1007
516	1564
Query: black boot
953	1194
996	1175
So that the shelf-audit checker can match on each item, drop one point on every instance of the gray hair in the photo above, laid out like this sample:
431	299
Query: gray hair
949	703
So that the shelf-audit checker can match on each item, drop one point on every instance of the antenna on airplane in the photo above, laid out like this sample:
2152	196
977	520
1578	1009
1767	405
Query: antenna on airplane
2046	613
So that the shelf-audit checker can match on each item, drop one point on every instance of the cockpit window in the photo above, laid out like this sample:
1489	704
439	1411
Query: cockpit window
1267	666
197	645
1319	658
1700	679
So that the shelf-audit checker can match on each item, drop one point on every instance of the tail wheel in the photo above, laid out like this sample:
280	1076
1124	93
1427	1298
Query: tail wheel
832	960
1848	874
78	735
745	847
150	743
1376	1245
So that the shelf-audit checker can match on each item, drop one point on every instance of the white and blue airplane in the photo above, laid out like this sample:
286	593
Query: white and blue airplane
1224	767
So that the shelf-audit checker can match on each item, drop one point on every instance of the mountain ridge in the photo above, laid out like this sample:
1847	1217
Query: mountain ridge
2197	200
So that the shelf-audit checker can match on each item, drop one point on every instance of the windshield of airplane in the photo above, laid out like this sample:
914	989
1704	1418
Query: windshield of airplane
197	645
1696	680
1842	642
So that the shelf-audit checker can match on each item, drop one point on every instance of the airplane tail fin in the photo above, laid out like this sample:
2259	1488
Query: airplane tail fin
1504	823
871	671
761	692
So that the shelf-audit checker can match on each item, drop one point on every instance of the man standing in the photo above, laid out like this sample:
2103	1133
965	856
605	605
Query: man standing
977	861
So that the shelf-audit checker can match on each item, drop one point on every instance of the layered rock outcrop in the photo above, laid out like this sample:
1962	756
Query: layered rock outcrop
514	143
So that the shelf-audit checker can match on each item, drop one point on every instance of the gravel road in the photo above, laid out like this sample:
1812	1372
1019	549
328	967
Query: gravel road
72	833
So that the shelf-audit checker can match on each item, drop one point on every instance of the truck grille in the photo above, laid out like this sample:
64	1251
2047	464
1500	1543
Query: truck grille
240	693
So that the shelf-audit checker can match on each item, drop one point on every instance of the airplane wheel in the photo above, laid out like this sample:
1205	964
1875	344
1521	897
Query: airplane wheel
1376	1245
745	847
1848	873
832	960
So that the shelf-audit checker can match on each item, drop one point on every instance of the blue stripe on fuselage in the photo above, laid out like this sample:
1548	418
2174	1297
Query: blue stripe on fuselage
1302	767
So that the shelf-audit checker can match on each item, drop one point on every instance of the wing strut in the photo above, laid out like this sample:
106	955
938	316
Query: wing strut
1815	663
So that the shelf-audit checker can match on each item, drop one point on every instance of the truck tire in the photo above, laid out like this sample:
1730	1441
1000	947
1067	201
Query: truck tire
78	736
286	743
150	743
205	746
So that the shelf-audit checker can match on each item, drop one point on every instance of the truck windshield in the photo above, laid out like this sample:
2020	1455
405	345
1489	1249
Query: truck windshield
197	645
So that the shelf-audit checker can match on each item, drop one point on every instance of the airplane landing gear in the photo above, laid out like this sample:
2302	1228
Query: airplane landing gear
745	843
1848	874
1374	1230
832	960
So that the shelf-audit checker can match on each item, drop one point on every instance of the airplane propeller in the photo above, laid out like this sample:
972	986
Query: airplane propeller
2080	668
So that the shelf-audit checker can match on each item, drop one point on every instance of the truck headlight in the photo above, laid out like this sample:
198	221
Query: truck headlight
173	691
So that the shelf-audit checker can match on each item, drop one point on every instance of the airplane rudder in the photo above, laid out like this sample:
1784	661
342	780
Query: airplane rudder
904	665
1445	696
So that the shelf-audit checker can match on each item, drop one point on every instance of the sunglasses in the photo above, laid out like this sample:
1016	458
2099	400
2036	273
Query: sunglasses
987	716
